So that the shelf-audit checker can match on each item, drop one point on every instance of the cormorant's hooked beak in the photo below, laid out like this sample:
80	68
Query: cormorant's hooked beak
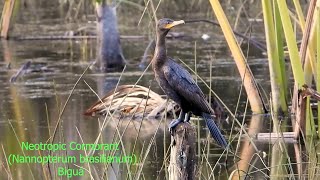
174	23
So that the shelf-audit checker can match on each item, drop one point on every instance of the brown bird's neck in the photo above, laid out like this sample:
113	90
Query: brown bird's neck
160	53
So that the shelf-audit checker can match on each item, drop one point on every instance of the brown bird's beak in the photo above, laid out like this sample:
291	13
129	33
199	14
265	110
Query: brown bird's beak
174	23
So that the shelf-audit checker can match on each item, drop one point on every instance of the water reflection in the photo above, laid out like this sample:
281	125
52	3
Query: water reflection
250	153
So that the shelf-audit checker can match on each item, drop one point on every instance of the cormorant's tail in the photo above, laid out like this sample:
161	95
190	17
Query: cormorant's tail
214	130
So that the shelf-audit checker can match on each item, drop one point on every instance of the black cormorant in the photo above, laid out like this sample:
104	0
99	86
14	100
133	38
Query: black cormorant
179	85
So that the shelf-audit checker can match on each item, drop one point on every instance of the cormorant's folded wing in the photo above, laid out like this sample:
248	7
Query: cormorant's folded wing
183	84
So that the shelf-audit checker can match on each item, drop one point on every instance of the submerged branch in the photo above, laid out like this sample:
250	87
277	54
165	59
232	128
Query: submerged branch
20	72
68	37
257	44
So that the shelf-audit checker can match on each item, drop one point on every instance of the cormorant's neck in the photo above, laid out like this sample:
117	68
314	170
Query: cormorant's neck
160	55
161	39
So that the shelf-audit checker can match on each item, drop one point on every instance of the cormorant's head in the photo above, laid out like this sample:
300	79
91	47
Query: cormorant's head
166	24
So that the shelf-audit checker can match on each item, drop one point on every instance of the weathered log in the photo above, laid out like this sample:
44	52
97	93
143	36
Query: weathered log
261	136
183	153
286	137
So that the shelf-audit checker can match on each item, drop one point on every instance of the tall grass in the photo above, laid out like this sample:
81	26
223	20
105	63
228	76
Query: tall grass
6	18
250	85
318	61
278	25
275	55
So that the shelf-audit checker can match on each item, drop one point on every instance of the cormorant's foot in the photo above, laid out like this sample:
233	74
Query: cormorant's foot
173	124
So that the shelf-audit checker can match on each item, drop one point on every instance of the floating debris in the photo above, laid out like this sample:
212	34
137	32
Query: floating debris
205	37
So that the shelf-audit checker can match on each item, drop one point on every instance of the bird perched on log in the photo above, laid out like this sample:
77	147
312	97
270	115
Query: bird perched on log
179	85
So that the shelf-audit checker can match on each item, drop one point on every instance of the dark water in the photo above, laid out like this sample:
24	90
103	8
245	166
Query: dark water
31	106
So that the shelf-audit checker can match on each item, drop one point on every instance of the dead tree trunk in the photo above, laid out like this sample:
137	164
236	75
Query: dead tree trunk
109	50
183	153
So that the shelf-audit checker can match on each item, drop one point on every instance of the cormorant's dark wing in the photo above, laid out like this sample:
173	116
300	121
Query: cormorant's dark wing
183	84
